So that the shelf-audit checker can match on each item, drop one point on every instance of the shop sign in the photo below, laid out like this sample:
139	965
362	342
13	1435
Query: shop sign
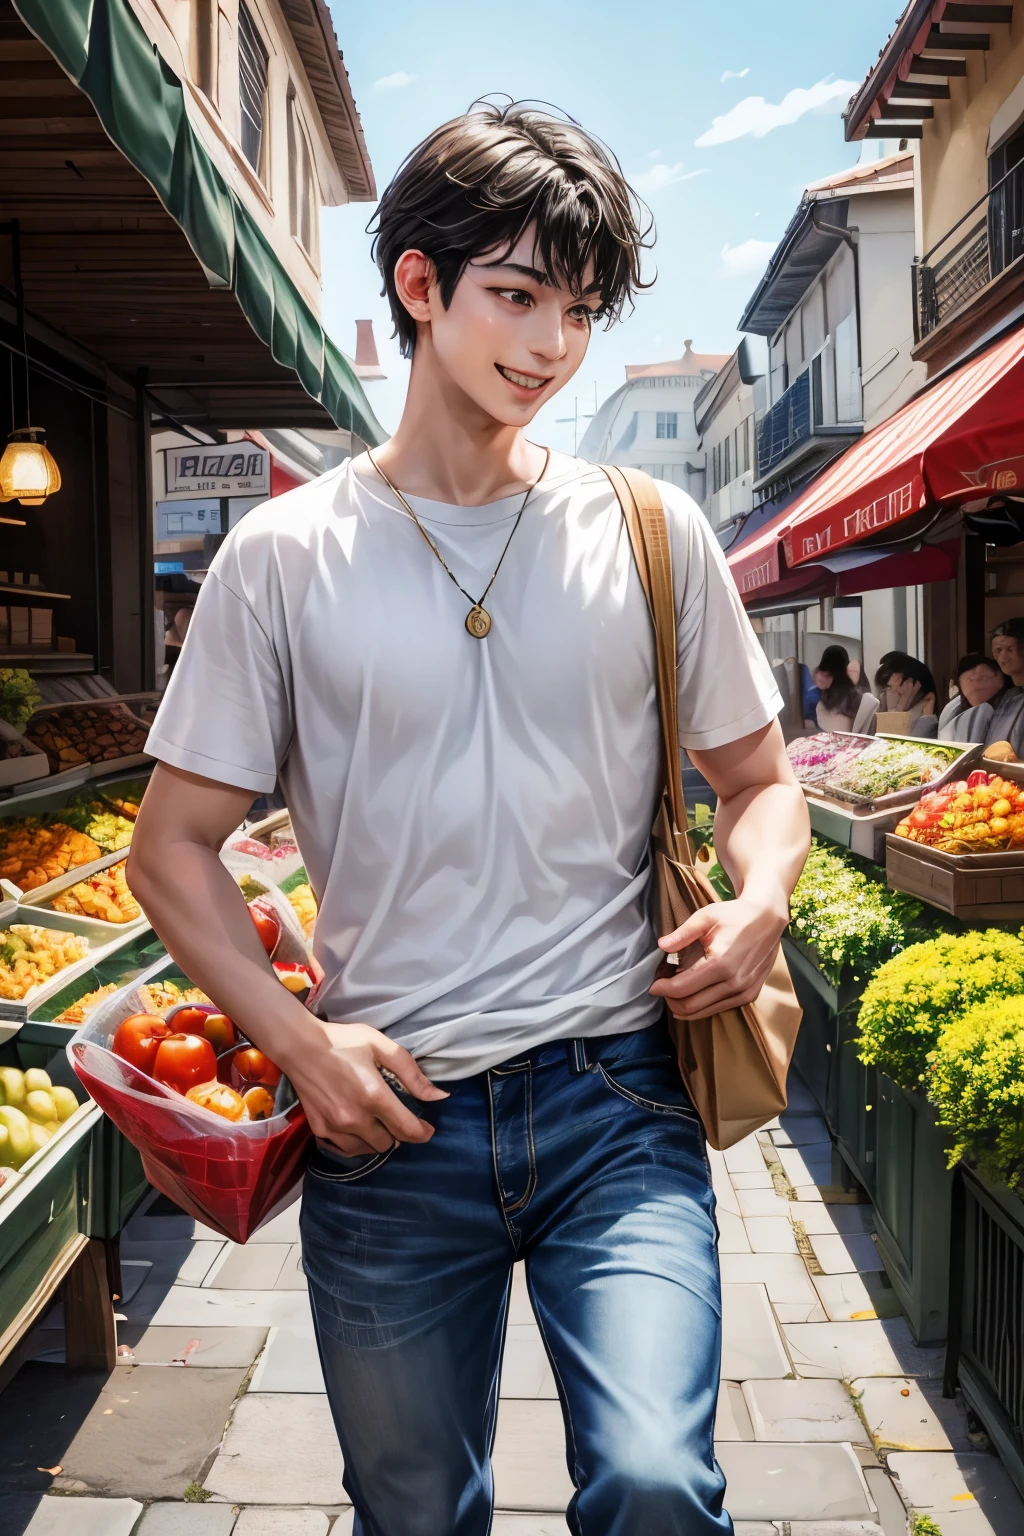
234	469
187	519
761	576
837	530
1002	475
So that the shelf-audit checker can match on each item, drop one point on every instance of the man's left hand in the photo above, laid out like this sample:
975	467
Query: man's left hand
739	939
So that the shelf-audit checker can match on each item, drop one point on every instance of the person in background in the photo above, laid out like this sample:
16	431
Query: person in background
1008	649
980	684
843	706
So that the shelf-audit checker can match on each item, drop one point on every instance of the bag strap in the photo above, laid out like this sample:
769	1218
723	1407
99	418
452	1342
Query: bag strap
644	516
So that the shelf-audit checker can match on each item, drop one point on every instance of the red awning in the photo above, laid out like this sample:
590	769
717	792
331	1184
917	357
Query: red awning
957	441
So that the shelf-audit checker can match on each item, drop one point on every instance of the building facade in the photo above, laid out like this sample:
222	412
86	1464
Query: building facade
726	413
648	423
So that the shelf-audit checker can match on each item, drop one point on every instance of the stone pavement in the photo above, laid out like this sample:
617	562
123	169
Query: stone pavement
831	1421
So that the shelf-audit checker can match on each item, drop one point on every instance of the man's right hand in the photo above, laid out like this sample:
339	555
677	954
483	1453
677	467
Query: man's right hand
336	1071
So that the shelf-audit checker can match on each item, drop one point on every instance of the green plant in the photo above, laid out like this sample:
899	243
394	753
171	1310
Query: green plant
976	1082
924	1525
847	917
917	993
195	1493
19	697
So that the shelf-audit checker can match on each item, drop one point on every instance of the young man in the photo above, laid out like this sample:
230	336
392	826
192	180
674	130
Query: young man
443	653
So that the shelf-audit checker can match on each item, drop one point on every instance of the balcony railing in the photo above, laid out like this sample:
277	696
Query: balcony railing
988	238
821	402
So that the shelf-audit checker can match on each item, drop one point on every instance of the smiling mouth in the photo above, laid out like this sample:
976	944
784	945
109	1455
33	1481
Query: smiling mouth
524	380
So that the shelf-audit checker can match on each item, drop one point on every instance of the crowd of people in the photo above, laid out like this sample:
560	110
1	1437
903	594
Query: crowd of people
987	705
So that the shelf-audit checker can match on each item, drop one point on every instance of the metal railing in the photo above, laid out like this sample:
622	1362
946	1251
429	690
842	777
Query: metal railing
988	238
816	403
785	425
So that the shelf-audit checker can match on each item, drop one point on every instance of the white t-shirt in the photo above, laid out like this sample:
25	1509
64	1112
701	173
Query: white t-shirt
473	814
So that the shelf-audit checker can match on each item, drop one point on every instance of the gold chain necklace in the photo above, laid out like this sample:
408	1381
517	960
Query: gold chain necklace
478	620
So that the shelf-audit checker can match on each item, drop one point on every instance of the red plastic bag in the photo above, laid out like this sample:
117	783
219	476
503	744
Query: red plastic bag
232	1177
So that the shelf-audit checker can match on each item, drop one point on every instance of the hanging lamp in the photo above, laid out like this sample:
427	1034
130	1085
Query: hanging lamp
28	470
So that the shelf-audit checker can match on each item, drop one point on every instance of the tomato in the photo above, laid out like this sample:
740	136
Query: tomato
218	1098
267	926
184	1061
220	1032
258	1104
249	1068
920	818
189	1019
138	1038
979	776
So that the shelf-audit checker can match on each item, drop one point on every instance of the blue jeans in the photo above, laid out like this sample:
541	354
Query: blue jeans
587	1160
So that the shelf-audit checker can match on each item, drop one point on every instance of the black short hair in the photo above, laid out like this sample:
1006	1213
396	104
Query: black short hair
477	182
978	659
1013	629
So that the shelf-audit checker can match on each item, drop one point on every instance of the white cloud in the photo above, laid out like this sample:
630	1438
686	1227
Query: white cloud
661	176
652	154
753	117
396	82
746	260
734	74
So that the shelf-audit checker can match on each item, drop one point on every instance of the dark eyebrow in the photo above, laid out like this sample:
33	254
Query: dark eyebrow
515	266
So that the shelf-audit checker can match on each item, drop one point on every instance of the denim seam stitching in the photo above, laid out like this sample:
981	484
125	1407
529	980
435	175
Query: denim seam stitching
658	1109
357	1173
510	1229
563	1394
497	1384
531	1181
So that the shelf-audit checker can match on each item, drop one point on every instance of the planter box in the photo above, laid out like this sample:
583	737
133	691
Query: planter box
986	1327
912	1196
972	886
853	1097
815	1042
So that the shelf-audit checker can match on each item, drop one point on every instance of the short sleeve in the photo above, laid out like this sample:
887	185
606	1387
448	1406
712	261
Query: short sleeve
726	686
225	714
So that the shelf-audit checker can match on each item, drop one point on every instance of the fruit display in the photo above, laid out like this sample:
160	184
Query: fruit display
33	852
980	814
31	1110
76	1013
30	955
198	1053
304	903
86	733
104	895
815	758
889	765
157	995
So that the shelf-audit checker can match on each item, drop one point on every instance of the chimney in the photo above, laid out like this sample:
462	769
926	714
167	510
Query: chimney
367	364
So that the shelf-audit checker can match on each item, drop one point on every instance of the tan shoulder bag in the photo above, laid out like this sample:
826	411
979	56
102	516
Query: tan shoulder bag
735	1064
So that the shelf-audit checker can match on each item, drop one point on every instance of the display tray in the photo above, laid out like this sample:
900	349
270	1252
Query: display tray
1012	771
99	936
968	755
861	831
119	969
810	778
971	886
43	895
122	710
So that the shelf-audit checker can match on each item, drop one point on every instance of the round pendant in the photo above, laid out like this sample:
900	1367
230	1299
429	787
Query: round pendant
478	621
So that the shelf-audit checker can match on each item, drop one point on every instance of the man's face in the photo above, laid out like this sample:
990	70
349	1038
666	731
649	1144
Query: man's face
510	339
1007	652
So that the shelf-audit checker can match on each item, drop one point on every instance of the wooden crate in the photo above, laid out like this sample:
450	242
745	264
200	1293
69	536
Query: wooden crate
966	885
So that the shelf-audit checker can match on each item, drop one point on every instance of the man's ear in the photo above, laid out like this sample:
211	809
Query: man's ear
414	277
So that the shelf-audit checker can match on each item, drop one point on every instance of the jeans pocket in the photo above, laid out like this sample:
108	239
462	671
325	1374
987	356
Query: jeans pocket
649	1084
336	1168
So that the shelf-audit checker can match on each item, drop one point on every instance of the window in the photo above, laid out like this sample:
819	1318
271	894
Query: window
746	444
728	466
303	201
252	86
667	424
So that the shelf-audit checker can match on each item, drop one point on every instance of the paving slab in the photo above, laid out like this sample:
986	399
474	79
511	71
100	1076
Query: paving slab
752	1347
944	1484
892	1516
292	1276
745	1156
721	1183
849	1350
187	1520
808	1194
799	1099
732	1233
834	1528
276	1441
810	1164
281	1522
241	1268
857	1298
196	1307
199	1262
532	1525
845	1253
770	1234
282	1228
525	1371
289	1363
817	1217
800	1131
343	1525
762	1202
83	1517
758	1178
808	1411
520	1308
794	1482
799	1312
732	1420
529	1457
783	1275
143	1344
899	1415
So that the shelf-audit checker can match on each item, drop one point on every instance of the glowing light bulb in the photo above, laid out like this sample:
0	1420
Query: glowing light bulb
28	470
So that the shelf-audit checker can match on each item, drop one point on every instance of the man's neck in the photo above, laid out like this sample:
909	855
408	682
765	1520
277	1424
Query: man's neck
447	449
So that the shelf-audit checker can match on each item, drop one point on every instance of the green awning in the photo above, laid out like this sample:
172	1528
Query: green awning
141	104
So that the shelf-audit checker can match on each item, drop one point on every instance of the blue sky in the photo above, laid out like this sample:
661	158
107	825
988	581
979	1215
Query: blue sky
648	79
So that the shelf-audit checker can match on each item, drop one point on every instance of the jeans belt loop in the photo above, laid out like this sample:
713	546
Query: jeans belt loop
582	1062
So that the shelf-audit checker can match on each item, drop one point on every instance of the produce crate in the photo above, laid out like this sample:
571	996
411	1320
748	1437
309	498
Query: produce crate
968	755
912	1206
102	943
126	963
43	895
985	1355
45	1211
99	718
972	886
